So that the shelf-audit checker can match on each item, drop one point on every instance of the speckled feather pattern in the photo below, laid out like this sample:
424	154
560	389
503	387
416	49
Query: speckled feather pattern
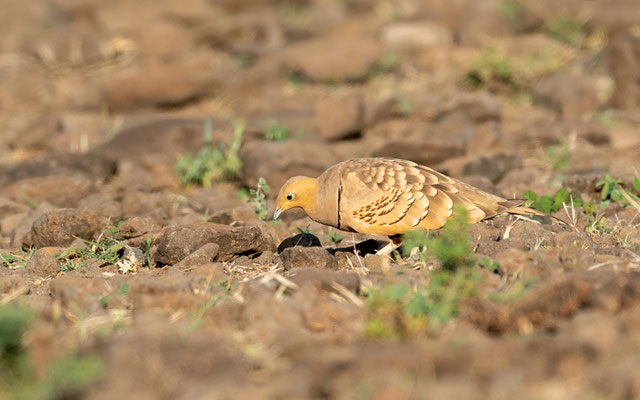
389	196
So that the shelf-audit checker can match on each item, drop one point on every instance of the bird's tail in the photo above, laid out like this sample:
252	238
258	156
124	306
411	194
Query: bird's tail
522	210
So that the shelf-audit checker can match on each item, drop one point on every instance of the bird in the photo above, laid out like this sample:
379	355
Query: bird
389	196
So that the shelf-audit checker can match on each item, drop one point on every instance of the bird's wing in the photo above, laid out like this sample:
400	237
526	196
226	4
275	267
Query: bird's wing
390	196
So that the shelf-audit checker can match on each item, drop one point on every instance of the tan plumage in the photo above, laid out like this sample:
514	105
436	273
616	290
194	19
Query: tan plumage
388	196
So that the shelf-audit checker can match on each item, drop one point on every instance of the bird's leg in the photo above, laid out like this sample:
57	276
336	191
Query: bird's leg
396	241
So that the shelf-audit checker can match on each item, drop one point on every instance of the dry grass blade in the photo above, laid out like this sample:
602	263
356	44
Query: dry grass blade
507	229
14	294
573	216
280	279
347	294
630	199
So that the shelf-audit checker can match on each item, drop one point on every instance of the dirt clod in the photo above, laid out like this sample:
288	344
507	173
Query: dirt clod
61	227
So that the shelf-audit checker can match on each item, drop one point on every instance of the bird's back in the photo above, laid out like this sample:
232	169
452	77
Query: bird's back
390	196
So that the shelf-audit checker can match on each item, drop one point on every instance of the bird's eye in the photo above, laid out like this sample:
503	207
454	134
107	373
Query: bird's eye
290	196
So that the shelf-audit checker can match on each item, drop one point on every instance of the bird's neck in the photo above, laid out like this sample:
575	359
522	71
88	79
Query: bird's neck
313	205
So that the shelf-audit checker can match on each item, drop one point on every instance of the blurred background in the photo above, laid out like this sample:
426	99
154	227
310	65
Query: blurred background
439	82
165	113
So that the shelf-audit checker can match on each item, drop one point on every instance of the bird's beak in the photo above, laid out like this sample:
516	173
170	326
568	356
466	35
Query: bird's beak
277	213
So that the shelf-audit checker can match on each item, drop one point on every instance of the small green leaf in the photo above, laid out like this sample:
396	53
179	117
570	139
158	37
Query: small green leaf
104	301
123	289
530	196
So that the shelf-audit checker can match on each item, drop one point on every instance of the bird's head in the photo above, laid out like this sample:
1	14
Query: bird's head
299	191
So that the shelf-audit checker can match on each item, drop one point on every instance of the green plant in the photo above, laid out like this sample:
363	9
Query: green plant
17	259
123	289
395	311
276	132
492	69
512	12
515	291
335	236
107	248
559	156
147	251
212	163
598	224
258	199
241	60
489	264
387	63
548	204
452	248
566	29
610	190
14	321
66	377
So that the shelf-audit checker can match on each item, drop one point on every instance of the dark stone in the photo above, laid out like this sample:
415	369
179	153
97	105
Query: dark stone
301	239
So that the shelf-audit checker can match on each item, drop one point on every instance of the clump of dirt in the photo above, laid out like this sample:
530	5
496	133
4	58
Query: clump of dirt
141	150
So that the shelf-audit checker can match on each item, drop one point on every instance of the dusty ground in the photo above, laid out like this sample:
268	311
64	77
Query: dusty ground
181	292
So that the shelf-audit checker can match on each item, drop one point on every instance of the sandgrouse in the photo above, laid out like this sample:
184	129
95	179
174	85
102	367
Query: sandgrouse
388	196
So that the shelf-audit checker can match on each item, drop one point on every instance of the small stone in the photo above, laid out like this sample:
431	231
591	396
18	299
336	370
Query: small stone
511	262
312	257
301	239
324	279
137	226
494	167
43	263
204	255
416	35
569	93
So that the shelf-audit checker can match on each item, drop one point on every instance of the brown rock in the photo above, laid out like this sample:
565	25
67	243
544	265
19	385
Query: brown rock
473	107
324	279
77	292
569	93
494	166
340	116
278	161
163	138
416	35
424	152
61	190
479	21
9	207
59	227
159	86
176	243
624	63
102	204
137	226
333	58
43	263
94	166
204	255
511	261
237	214
310	257
20	227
